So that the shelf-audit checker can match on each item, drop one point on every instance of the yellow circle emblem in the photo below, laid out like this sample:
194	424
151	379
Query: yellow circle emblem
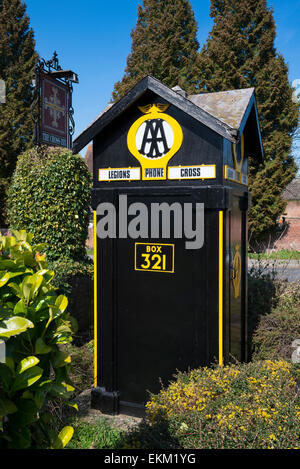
153	140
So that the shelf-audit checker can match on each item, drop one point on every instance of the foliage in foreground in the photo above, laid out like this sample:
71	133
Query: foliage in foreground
34	323
248	406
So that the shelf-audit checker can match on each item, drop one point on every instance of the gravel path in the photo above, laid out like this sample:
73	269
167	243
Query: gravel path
86	414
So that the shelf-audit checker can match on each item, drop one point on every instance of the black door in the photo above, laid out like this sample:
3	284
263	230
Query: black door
167	305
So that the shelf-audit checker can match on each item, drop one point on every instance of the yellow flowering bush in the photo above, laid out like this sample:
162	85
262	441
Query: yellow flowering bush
243	406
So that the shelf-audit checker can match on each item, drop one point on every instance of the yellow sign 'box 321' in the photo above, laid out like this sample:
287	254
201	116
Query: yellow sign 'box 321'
154	257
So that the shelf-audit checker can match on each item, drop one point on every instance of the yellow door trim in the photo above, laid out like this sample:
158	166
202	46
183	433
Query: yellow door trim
221	247
95	304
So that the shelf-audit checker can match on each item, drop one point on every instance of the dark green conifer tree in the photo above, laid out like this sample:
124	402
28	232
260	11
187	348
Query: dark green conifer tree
17	61
164	45
240	53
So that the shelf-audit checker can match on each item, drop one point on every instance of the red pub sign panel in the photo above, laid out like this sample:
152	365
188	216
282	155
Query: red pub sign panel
54	122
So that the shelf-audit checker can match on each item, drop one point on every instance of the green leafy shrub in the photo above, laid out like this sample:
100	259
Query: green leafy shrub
49	196
249	406
34	322
277	330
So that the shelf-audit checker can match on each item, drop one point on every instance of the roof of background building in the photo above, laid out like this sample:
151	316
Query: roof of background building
292	191
227	106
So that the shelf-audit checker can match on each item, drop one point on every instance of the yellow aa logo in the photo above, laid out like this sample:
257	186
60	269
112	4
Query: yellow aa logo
237	271
154	139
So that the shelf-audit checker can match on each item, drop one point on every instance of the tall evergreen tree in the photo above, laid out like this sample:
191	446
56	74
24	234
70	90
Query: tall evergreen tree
240	53
17	61
164	45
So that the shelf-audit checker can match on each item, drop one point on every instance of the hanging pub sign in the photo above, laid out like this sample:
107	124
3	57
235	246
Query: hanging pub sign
54	111
52	108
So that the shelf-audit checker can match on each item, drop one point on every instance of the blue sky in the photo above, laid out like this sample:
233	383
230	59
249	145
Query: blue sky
93	39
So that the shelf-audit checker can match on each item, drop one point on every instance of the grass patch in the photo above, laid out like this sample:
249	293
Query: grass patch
89	252
283	254
97	435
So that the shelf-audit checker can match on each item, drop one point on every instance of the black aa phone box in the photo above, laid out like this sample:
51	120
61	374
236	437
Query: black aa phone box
170	201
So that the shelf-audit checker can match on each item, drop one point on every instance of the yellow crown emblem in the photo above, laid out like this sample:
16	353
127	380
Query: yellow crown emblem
151	108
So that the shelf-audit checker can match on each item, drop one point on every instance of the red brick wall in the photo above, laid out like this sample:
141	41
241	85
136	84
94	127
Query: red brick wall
89	157
90	239
290	238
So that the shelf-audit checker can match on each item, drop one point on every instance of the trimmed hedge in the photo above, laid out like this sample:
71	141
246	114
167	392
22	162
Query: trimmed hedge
49	197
